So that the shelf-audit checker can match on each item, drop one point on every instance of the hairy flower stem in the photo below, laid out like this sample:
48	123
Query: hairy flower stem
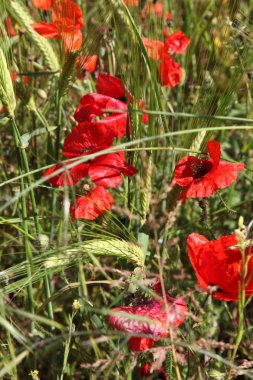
67	343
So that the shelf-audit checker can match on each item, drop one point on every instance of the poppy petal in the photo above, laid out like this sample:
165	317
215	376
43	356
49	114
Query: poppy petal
226	174
95	204
86	136
170	72
217	265
107	170
43	4
184	170
177	42
155	48
214	150
110	86
92	105
117	124
68	177
46	30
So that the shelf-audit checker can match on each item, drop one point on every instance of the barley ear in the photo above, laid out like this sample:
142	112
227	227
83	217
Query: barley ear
7	95
102	247
146	192
67	72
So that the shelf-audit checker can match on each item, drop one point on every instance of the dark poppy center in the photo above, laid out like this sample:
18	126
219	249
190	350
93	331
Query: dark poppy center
201	168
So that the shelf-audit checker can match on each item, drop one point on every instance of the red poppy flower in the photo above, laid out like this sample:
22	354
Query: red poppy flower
154	310
111	95
217	265
203	177
155	48
177	42
113	87
66	25
92	205
85	63
43	4
9	27
93	105
170	72
105	170
156	8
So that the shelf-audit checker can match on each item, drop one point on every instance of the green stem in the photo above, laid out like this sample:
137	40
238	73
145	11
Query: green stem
24	162
26	241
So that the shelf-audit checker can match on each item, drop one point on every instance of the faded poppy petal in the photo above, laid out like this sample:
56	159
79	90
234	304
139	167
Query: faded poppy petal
177	42
87	63
46	30
87	136
155	49
170	72
217	264
93	205
43	4
68	177
161	318
72	41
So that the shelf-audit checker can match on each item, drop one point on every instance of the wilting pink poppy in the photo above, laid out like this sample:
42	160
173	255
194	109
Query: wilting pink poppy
92	205
203	177
161	319
177	42
218	264
66	25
